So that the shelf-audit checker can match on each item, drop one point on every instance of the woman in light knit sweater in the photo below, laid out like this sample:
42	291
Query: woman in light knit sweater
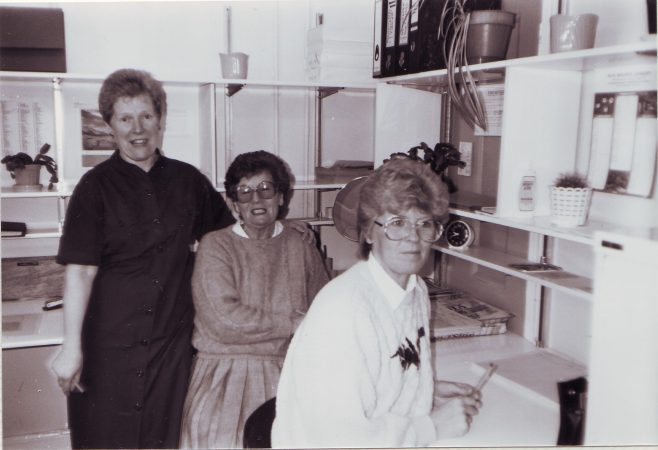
252	285
358	371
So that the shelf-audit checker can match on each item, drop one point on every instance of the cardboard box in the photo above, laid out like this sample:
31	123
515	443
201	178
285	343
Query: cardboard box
32	39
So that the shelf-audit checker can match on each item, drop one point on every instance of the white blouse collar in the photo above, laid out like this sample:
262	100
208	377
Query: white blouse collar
239	230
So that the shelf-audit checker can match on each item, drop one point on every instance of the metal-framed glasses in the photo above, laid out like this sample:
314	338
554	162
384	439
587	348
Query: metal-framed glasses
399	227
266	190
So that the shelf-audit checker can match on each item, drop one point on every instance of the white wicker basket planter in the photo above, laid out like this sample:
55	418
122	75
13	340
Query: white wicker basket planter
569	206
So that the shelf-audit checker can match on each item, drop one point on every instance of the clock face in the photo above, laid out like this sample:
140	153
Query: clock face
459	234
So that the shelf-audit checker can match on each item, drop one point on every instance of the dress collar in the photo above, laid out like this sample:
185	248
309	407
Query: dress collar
392	291
160	163
239	230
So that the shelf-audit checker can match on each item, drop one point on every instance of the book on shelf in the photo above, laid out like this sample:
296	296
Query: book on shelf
455	314
446	323
13	229
476	309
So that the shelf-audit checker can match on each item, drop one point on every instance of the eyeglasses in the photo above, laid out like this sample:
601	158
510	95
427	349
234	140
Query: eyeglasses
265	189
399	227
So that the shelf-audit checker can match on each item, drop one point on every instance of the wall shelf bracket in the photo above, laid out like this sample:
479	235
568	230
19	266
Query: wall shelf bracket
232	89
324	92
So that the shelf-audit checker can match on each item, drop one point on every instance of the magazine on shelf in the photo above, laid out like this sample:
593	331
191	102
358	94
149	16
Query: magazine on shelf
476	309
445	323
456	314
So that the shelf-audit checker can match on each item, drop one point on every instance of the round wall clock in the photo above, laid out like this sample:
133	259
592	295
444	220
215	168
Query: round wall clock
459	234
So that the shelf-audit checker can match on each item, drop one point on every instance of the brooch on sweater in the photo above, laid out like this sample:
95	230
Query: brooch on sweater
408	352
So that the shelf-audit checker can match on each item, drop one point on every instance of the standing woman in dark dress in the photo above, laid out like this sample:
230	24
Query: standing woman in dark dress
127	245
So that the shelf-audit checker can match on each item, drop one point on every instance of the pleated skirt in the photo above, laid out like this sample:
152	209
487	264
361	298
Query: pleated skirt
223	392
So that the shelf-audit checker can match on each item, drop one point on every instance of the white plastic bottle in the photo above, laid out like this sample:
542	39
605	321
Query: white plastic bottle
527	191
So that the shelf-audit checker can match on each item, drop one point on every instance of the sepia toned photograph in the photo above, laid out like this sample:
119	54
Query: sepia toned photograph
329	224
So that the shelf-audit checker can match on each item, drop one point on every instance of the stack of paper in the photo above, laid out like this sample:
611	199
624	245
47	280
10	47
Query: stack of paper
456	314
477	309
445	323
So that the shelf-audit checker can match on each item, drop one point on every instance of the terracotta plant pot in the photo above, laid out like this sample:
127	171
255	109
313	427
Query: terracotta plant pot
488	36
27	178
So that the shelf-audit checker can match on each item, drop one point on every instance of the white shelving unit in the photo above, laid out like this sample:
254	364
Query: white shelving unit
545	137
546	101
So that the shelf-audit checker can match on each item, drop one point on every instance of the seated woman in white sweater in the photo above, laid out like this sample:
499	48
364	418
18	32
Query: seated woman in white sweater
358	371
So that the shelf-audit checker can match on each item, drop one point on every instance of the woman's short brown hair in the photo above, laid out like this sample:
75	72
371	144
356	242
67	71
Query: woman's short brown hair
130	83
252	163
397	186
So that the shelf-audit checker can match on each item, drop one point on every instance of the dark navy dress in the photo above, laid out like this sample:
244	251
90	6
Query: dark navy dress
139	229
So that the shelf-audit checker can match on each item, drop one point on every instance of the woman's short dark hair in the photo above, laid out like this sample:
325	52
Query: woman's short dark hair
252	163
395	187
130	83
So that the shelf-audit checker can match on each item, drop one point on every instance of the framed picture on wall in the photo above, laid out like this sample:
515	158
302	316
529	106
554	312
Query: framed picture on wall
98	143
623	146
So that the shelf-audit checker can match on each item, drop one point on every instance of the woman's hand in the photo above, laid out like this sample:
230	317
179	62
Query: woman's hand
302	227
68	367
455	404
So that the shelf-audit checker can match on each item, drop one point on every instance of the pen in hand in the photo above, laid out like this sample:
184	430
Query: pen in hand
483	380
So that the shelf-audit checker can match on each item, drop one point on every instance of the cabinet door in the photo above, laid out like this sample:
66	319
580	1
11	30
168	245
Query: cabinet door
32	401
623	393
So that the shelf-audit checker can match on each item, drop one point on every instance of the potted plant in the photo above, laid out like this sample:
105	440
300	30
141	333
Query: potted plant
25	170
471	37
442	156
570	199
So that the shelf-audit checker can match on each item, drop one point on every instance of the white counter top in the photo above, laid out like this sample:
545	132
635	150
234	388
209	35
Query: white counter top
520	406
25	324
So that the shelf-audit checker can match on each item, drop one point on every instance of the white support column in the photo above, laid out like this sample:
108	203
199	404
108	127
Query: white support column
532	324
58	105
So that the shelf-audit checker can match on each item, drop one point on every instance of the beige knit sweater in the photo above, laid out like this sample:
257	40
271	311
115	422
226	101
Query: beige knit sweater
246	292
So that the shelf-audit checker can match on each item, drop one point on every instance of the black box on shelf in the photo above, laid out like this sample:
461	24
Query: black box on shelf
32	39
13	229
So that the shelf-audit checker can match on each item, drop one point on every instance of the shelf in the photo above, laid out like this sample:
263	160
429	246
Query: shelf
38	233
8	192
575	60
542	225
331	183
317	221
77	77
559	280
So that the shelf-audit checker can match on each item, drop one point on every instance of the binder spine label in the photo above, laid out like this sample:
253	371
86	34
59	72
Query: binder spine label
391	19
377	40
404	22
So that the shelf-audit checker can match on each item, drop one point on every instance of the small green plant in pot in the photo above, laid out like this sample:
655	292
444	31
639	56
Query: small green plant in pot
570	200
439	158
25	170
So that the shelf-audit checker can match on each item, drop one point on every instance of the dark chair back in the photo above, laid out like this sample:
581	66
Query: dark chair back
258	426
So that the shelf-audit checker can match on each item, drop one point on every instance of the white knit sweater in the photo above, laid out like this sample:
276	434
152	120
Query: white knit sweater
343	382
